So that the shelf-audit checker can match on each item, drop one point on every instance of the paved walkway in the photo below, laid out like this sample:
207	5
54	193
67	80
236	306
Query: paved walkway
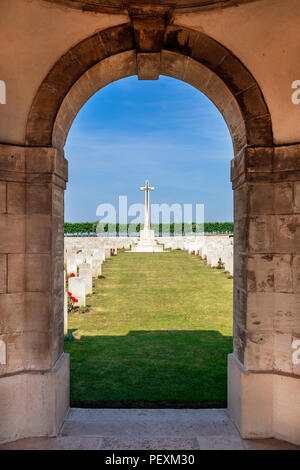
136	429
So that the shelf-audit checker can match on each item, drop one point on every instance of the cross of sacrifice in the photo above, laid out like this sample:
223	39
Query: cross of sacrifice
147	188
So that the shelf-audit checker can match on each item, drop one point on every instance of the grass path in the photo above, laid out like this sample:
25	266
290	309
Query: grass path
158	333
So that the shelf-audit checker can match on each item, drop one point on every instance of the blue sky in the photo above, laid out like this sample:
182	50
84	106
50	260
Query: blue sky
165	131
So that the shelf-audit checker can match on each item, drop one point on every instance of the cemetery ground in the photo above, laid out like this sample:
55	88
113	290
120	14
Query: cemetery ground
157	333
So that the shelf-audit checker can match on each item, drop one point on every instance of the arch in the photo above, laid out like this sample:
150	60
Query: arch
186	54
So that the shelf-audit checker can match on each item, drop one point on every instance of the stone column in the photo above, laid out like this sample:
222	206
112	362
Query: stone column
34	381
264	377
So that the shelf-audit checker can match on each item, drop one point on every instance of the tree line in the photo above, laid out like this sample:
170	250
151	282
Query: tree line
173	228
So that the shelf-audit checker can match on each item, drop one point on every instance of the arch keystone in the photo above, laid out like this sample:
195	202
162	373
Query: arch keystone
148	65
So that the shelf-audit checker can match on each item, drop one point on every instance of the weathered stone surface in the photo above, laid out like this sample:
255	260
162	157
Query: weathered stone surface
283	352
2	197
241	234
240	270
16	199
260	313
89	51
37	311
3	273
259	352
239	341
287	234
117	39
251	103
259	131
12	158
173	64
37	350
261	198
296	273
283	273
50	394
38	199
261	234
234	74
37	272
297	197
12	313
38	233
12	233
181	40
194	72
148	66
118	6
287	158
283	198
16	273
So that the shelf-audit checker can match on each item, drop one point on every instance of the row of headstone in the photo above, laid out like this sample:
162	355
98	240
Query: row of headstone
82	266
213	249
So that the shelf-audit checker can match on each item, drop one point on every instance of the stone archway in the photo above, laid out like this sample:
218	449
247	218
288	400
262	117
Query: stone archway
178	52
266	196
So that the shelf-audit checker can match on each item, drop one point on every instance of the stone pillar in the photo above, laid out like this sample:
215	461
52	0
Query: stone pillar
65	307
264	378
36	371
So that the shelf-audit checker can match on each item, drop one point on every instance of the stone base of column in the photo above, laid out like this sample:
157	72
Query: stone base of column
263	405
34	404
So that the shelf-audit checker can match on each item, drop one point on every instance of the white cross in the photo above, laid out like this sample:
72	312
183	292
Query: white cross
147	188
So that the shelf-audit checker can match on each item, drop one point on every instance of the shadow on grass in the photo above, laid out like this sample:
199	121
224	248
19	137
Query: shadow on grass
150	369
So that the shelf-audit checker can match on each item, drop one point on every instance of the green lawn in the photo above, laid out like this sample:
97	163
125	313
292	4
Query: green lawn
157	334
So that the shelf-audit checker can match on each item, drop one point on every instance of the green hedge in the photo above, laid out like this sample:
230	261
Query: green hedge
218	227
81	227
91	227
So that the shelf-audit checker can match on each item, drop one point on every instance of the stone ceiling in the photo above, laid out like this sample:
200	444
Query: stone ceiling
115	6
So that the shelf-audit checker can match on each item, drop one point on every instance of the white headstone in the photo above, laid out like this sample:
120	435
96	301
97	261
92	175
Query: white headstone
85	273
77	289
80	258
96	267
72	265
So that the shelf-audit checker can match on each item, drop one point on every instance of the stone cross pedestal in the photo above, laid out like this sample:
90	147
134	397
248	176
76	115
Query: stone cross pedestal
147	243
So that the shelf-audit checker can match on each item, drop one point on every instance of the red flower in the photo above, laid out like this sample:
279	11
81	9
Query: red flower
76	300
72	275
69	293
